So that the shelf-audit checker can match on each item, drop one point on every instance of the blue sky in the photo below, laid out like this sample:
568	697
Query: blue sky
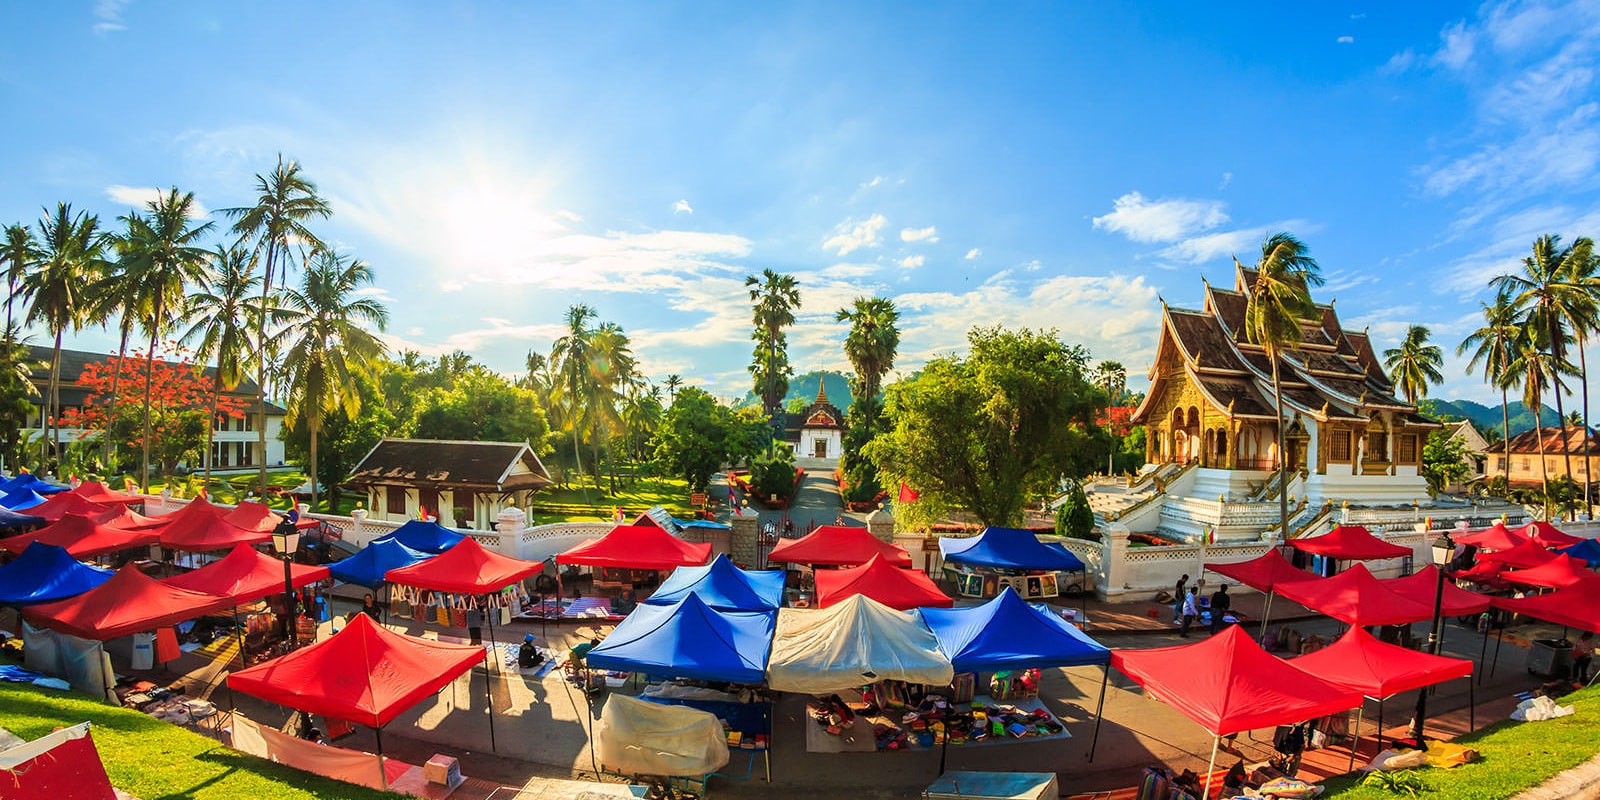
1052	165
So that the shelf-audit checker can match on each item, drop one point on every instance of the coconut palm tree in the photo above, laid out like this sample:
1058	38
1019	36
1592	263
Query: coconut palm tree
775	298
162	259
573	353
1582	271
18	251
1414	364
326	343
1279	302
116	296
673	382
871	346
70	259
223	322
1112	378
285	202
1536	369
1495	347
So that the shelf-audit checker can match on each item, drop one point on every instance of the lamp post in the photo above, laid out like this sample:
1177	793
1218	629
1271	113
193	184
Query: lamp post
285	541
1443	551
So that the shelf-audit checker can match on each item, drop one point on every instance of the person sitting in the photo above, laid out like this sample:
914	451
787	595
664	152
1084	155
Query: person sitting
1582	654
369	606
528	655
580	652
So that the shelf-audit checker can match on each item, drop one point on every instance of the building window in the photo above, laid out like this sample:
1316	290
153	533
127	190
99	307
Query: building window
247	453
249	422
1524	465
1551	464
1408	449
466	505
428	499
1339	446
395	503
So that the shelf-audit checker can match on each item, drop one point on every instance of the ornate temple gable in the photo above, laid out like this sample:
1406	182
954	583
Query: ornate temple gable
823	414
1368	359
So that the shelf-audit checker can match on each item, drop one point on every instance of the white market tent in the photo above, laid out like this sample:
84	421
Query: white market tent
857	641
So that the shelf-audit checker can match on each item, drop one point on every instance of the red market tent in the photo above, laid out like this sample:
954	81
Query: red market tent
466	568
637	547
253	516
246	575
129	602
65	503
1523	556
1263	573
128	520
1548	535
97	492
81	536
1496	537
1358	661
1557	573
365	673
1356	598
1422	585
200	527
897	588
1486	572
840	546
1350	542
1577	606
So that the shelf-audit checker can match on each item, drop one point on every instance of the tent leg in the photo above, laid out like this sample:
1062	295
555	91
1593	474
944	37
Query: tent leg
1500	639
488	698
1472	706
944	746
1355	743
1094	739
1484	650
1210	768
1266	617
1380	723
383	775
105	677
1083	599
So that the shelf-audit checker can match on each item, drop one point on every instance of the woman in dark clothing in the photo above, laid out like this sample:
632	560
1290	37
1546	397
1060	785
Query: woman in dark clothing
370	607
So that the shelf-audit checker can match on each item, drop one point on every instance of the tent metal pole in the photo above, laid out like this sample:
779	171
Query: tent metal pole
1484	650
488	698
944	747
1266	616
1094	739
383	774
1380	723
1355	743
1210	768
1500	639
1472	706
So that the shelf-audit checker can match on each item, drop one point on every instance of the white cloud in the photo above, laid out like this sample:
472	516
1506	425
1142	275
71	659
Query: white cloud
1566	152
851	235
1399	63
876	181
911	262
1346	40
1164	220
1227	178
376	292
1033	266
928	234
1223	244
1456	48
413	331
1510	238
451	286
973	253
845	270
682	206
138	197
109	12
477	339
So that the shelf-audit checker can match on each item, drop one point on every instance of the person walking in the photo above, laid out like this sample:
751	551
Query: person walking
1191	610
1177	599
1220	604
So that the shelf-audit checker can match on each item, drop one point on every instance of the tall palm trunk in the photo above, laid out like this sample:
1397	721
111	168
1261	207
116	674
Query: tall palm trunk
1544	469
261	369
1583	371
1505	441
1283	455
211	423
577	449
52	426
149	371
315	424
1561	420
116	378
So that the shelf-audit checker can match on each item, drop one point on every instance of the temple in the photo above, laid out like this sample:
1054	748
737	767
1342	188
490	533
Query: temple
820	430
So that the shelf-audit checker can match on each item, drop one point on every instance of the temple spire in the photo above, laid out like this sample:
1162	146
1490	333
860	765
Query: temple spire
822	392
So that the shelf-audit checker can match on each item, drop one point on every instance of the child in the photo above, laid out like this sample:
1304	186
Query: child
1191	610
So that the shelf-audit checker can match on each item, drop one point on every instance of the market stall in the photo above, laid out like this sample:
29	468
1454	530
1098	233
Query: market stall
81	537
1356	598
97	492
1557	573
1587	551
723	586
371	563
639	738
851	644
15	521
1493	538
253	516
21	499
897	588
1263	573
1377	670
28	480
245	576
838	546
200	527
630	557
425	536
46	573
1007	557
127	519
1524	556
1548	535
689	639
1346	543
54	508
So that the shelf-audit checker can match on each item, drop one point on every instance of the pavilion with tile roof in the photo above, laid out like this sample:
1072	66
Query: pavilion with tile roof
821	429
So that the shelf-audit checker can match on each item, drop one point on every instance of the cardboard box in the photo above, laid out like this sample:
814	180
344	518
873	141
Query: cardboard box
443	770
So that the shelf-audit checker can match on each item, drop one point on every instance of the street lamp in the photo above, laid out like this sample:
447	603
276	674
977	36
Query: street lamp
1444	550
285	541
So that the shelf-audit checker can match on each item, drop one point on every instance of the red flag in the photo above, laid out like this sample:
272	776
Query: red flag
908	494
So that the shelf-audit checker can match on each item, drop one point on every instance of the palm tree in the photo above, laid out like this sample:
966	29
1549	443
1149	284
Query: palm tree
775	298
1583	314
1496	348
1279	303
871	346
69	260
223	315
673	382
115	295
1538	370
1414	364
1112	378
573	352
18	252
162	259
614	377
326	346
285	202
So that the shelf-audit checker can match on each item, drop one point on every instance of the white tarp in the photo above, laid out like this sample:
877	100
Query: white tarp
636	737
350	766
857	642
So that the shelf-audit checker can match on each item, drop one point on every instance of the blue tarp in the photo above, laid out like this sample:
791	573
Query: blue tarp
1010	633
29	480
1587	550
21	499
1008	548
45	573
368	566
702	523
428	537
690	640
12	519
723	587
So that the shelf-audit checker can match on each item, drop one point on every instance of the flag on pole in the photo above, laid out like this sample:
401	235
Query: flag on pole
908	494
127	484
422	513
1211	536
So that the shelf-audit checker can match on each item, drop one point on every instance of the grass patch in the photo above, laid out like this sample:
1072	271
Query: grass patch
571	504
1516	756
155	760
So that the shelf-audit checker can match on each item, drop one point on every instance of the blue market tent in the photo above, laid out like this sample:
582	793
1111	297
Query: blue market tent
688	639
28	480
368	566
1008	548
723	586
1587	551
12	520
45	573
21	499
428	537
1010	633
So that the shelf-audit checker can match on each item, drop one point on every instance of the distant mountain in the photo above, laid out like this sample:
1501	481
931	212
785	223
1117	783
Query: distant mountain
804	387
1487	418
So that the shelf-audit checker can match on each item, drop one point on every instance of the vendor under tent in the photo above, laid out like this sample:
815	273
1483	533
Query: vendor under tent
722	586
46	573
1263	573
364	674
1523	556
97	492
81	536
371	563
12	521
853	643
1577	606
637	547
253	516
1007	550
425	536
689	639
1548	535
1587	551
22	499
1350	543
1494	538
1355	597
1557	573
838	546
1228	684
60	505
246	575
129	602
902	589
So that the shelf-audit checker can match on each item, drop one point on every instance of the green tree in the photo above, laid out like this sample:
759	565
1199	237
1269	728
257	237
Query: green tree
17	392
698	435
774	297
1414	365
18	251
1112	378
342	440
1582	272
1444	461
481	407
285	202
614	379
326	344
1074	517
674	381
1279	302
990	430
223	317
871	346
574	353
70	259
1536	369
1495	347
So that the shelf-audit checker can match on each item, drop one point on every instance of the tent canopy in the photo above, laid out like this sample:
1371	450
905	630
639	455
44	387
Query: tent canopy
364	674
128	520
1360	662
1587	550
1010	633
892	586
723	586
1577	606
81	536
1548	535
1008	548
837	545
1350	542
10	520
1422	585
689	639
28	480
245	575
46	573
253	516
1263	573
21	499
851	644
199	527
467	568
69	503
426	536
637	547
1228	684
128	602
1557	573
1524	556
1493	538
636	737
371	563
1357	598
97	492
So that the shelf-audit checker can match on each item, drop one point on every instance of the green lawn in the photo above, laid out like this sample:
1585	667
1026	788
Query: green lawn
152	759
232	488
1516	756
556	504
